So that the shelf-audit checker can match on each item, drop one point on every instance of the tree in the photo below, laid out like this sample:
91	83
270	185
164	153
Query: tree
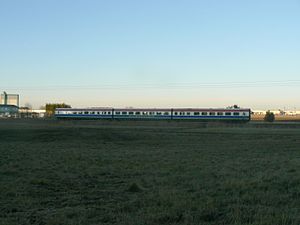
28	105
50	108
269	117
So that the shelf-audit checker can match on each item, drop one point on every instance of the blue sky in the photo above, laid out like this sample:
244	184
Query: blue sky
151	53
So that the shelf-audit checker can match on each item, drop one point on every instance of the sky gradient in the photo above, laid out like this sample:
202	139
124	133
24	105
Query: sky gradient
152	53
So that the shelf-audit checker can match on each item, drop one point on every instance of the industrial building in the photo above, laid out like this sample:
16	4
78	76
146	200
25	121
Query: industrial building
9	108
9	111
9	105
9	99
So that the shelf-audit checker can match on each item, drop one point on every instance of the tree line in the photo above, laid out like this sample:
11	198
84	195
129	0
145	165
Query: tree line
50	108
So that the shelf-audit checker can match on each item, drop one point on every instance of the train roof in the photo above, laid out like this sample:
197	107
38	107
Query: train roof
153	109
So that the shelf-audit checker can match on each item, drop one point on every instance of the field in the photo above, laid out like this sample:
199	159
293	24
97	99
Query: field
136	173
287	118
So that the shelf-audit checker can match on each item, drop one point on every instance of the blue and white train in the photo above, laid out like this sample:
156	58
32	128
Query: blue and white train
222	114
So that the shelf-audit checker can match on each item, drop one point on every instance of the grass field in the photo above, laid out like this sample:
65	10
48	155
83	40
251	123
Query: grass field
287	118
148	173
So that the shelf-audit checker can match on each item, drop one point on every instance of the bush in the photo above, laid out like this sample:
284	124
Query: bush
269	117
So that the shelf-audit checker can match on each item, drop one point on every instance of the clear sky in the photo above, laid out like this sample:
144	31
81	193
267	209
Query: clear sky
154	53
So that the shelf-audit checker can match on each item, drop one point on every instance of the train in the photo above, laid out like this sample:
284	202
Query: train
201	114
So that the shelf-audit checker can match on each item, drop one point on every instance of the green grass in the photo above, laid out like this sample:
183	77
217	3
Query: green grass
134	174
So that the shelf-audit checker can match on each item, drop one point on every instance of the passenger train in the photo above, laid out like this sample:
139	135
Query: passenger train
204	114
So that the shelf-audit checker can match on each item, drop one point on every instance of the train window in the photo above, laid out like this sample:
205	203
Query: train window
108	113
124	113
118	113
145	113
228	114
137	113
80	113
244	114
166	113
74	112
236	113
130	113
86	112
98	113
151	113
175	113
181	113
204	113
196	113
188	113
158	113
212	113
220	113
93	113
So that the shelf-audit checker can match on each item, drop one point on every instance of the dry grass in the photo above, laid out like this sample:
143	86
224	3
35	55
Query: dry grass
132	173
277	118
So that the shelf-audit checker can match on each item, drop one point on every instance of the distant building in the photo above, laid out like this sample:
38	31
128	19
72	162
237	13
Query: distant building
9	111
25	112
278	112
258	112
9	105
9	99
292	113
39	113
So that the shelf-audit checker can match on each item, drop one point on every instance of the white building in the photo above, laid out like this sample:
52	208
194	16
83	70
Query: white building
258	112
278	112
25	112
